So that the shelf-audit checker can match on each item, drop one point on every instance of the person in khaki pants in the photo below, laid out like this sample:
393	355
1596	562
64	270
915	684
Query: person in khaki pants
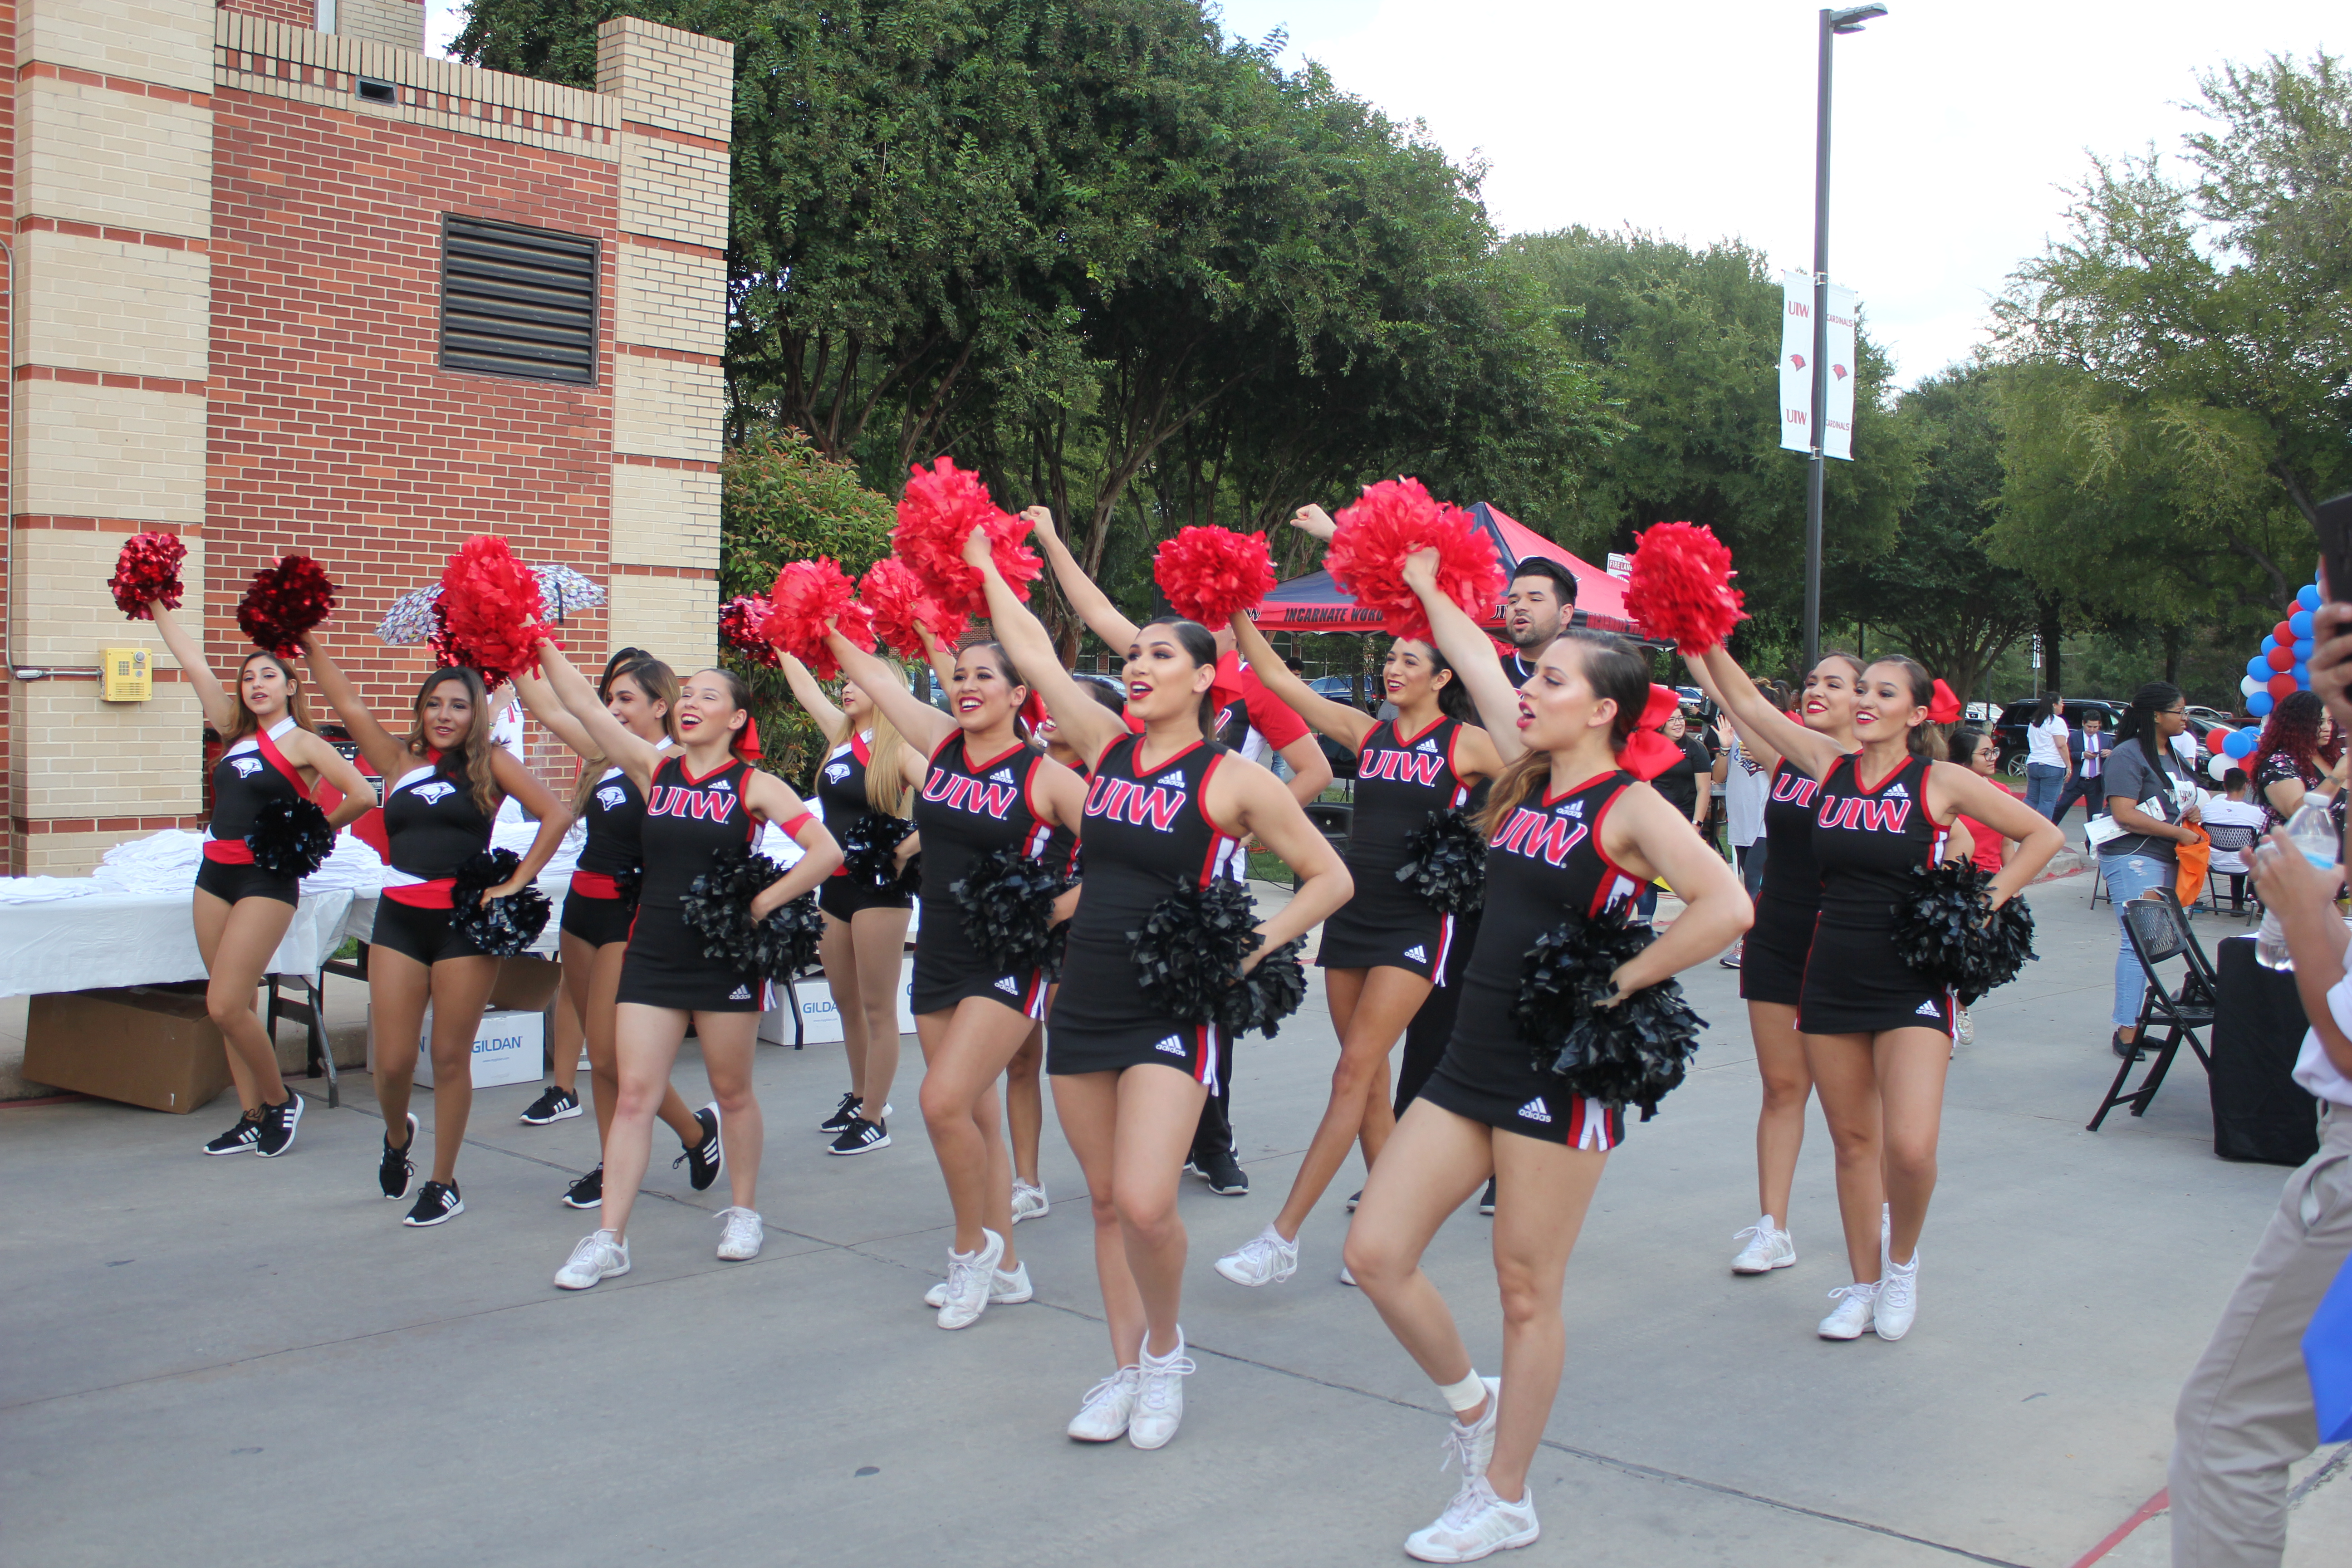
2246	1412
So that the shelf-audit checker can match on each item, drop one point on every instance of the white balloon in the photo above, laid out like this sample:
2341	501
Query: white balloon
2247	686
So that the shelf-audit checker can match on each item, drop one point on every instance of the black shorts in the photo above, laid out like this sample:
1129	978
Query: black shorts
842	897
230	883
1385	925
599	923
1193	1049
1494	1082
1773	960
427	936
1857	984
664	968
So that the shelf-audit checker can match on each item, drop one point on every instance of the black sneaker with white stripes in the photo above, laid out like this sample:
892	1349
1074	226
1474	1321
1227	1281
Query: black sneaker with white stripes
277	1125
239	1138
554	1105
437	1204
587	1192
397	1170
1223	1172
705	1160
860	1137
1487	1198
843	1114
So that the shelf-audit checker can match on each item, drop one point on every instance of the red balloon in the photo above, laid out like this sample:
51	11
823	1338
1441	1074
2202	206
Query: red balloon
2280	657
2214	737
2283	633
2282	686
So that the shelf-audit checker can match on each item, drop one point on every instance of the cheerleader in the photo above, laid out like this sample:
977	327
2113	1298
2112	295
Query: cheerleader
868	771
1878	1038
270	752
986	790
1567	826
641	694
1773	960
445	783
1386	949
1129	1080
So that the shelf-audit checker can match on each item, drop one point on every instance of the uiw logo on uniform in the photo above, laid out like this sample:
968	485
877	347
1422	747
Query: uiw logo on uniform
612	797
702	806
1412	767
434	794
1869	816
961	792
1116	798
1537	833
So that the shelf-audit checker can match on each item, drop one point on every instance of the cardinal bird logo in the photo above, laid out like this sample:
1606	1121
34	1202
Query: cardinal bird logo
1838	371
1797	360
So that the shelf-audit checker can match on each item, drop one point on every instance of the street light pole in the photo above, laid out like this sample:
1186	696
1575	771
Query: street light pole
1833	23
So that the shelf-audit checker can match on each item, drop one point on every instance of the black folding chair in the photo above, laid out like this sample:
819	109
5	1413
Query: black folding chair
2229	839
2159	931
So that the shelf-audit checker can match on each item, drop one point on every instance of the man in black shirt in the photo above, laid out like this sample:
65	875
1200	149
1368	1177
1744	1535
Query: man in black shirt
1538	608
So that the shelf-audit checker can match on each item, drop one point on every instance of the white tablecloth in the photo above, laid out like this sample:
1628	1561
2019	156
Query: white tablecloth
134	939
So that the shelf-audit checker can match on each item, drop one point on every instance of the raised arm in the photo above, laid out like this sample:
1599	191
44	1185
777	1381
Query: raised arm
1086	725
549	710
1314	521
1093	605
1753	743
220	707
809	694
1343	723
1467	650
384	751
1814	754
940	659
610	738
923	725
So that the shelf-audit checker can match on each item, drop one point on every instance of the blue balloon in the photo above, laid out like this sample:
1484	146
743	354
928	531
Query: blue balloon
2242	743
2299	623
2308	596
2302	652
2259	703
2258	667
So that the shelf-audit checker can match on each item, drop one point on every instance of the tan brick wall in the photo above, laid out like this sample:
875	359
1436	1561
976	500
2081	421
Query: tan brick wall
670	299
666	78
97	154
159	41
63	611
109	305
666	409
673	191
398	24
664	517
676	617
98	759
109	451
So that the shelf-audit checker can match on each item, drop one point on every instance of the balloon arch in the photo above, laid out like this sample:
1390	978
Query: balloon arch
2281	668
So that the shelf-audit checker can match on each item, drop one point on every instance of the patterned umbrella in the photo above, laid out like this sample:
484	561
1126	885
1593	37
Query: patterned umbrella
410	619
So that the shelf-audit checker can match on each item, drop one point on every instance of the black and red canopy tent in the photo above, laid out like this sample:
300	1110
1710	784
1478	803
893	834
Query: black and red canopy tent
1316	603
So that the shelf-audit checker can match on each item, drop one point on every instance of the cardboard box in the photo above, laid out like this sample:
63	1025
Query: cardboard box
508	1047
526	985
142	1044
820	1024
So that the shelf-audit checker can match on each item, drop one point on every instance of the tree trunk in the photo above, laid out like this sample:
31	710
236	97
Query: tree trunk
2052	629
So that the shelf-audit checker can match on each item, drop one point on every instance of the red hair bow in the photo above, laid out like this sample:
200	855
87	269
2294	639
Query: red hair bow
747	744
1944	708
1647	753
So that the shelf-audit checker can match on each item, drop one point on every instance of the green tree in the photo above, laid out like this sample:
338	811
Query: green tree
782	500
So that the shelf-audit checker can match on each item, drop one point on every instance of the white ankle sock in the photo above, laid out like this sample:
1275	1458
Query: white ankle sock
1466	1395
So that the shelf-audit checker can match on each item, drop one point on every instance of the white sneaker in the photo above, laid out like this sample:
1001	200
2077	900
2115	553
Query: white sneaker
1103	1414
1899	1297
600	1255
971	1276
1473	1447
1028	1201
1768	1248
1852	1315
1476	1525
1965	1029
1003	1289
741	1240
1347	1275
1885	1226
1263	1259
1159	1397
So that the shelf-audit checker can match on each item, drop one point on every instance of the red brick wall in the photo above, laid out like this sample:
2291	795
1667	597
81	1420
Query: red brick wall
332	428
12	849
293	13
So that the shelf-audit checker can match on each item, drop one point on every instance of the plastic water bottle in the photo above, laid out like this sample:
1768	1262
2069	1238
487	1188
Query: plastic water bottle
2312	829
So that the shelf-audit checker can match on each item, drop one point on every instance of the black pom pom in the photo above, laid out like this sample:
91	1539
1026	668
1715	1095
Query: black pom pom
1188	961
628	884
1270	993
1007	900
869	847
502	927
1447	864
718	906
784	944
1633	1053
1947	932
291	837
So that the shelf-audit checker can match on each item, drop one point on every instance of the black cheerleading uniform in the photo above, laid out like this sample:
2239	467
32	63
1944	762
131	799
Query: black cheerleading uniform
248	775
1145	834
1545	859
966	810
594	910
686	820
434	828
1866	841
1773	960
841	790
1400	780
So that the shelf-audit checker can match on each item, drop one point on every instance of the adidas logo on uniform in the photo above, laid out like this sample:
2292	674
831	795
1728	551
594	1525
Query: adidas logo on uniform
1173	1045
1169	779
1574	808
1426	746
1928	1009
1008	987
740	994
1416	954
1535	1111
722	787
1898	792
1001	775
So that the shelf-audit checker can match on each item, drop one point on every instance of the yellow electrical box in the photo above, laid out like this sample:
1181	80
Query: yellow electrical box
129	675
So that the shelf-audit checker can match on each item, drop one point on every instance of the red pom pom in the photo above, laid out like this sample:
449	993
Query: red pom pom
488	611
285	601
742	629
1212	573
808	593
1679	586
1389	521
941	505
892	591
147	573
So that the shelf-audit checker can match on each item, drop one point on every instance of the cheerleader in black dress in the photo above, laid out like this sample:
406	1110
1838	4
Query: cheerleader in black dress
985	790
1772	962
868	770
641	693
1385	949
270	752
443	782
1877	1036
1129	1081
1568	825
701	796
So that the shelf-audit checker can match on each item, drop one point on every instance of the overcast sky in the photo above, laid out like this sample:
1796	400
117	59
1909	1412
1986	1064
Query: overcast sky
1957	121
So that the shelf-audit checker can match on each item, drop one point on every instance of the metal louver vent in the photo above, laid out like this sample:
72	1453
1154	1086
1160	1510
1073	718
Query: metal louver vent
517	301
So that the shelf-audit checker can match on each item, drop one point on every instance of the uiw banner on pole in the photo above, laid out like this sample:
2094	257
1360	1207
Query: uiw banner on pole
1796	361
1838	420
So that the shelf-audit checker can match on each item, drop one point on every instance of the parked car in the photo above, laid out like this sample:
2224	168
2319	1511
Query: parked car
2208	715
2008	729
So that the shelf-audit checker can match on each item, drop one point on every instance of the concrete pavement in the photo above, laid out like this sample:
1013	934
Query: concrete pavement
254	1360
